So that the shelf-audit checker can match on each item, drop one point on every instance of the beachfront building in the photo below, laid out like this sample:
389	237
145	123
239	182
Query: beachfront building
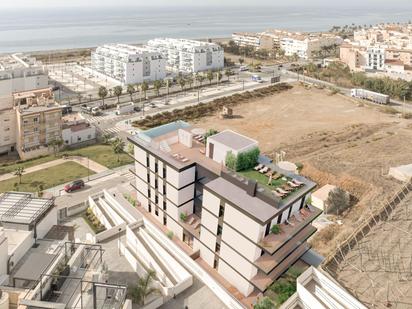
38	122
247	39
244	229
189	56
21	73
317	290
127	64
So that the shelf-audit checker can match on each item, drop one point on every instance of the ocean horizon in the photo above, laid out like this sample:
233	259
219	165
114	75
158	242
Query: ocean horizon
31	29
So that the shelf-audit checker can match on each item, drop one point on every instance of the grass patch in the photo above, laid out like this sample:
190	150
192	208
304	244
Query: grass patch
12	166
102	154
93	222
49	177
262	178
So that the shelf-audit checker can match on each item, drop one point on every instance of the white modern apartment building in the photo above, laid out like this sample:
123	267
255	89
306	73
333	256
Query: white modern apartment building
21	73
221	215
375	59
317	290
247	39
189	56
129	64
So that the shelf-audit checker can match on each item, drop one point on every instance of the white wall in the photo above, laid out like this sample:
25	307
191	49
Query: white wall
74	137
242	265
3	253
211	202
234	278
140	155
46	223
238	242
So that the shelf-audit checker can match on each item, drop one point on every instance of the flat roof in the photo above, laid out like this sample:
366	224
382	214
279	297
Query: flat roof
254	206
23	208
233	140
34	267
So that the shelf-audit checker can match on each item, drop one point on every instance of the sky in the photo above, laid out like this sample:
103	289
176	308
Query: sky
117	3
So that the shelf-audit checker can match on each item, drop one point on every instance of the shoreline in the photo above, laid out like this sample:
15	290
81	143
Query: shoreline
84	52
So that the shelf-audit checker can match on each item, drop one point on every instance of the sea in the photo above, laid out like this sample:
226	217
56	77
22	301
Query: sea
23	30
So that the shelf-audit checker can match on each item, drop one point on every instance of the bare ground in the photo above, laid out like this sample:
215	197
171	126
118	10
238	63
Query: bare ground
337	140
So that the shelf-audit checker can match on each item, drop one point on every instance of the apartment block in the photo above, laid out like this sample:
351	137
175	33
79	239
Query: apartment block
21	73
189	56
129	64
7	128
223	215
247	39
375	59
38	122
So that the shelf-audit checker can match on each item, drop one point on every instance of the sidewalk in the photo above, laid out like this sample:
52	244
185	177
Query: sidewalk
90	164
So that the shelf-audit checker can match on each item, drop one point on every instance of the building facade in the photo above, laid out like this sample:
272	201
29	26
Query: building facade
78	132
247	39
225	217
375	59
21	73
189	56
38	122
129	64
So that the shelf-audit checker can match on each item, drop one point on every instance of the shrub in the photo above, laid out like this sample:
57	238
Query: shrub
242	161
299	166
264	303
230	161
275	229
169	234
338	200
183	216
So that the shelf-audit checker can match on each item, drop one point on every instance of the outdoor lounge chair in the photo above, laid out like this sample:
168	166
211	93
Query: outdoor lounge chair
286	187
258	167
184	159
276	193
276	176
264	170
280	190
293	185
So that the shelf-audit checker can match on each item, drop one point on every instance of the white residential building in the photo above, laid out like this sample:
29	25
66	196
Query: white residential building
129	64
317	290
78	132
375	59
21	73
222	216
189	56
247	39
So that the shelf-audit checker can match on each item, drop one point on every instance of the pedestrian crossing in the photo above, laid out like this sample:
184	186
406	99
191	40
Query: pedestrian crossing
129	175
114	130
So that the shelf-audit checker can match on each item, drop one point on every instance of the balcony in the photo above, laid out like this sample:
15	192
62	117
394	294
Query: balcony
268	262
272	242
262	281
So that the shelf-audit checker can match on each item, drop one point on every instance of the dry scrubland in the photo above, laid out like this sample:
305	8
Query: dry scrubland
337	139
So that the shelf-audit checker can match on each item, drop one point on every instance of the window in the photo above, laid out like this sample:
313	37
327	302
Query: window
164	220
148	192
150	207
164	189
7	129
164	205
164	172
221	211
35	119
156	199
217	248
148	177
219	230
156	184
156	167
216	264
147	161
157	211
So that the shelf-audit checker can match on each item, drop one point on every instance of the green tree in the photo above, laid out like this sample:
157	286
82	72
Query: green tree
118	90
209	76
56	144
144	87
241	61
338	200
130	91
228	73
106	138
157	85
144	288
200	78
264	303
102	93
19	173
189	80
118	147
181	81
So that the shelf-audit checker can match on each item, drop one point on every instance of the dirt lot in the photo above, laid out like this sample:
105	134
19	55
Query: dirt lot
338	140
379	269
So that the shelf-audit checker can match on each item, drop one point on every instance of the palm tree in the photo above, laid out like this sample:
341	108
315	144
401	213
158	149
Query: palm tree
157	85
118	90
228	73
200	78
19	172
144	87
130	91
144	288
181	81
118	147
241	61
106	138
56	144
209	76
102	93
219	76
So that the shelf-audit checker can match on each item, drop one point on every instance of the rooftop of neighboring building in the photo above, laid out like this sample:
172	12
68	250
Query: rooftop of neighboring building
24	208
17	61
233	140
76	126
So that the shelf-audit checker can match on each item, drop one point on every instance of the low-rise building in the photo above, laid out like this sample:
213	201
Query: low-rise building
239	227
78	132
38	122
247	39
129	64
189	56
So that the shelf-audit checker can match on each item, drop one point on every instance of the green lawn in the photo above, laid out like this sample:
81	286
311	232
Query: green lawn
262	178
102	154
49	177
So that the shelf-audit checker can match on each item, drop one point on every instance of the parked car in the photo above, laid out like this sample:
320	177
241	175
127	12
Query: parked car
73	186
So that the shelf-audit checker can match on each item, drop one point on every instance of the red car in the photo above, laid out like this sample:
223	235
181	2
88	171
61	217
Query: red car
73	186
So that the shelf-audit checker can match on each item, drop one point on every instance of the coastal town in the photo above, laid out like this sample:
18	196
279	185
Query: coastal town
265	170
